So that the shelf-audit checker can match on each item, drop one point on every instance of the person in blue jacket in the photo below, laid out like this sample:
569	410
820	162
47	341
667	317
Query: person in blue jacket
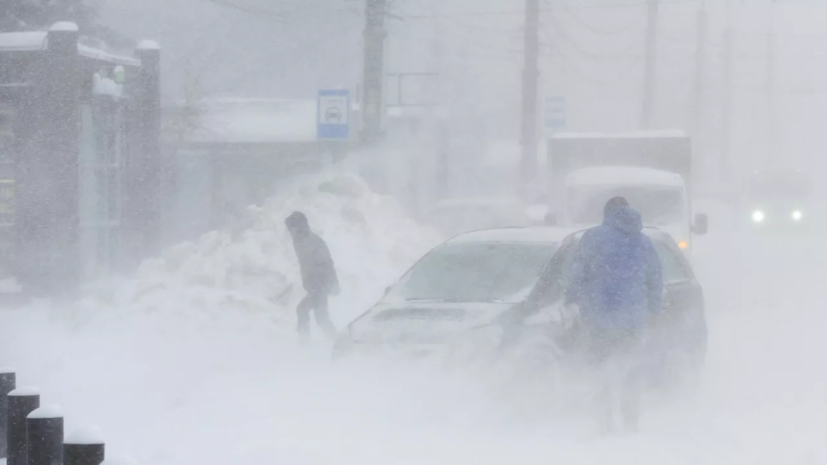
616	280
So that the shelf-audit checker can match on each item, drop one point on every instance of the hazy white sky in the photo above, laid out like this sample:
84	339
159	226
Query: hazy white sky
592	55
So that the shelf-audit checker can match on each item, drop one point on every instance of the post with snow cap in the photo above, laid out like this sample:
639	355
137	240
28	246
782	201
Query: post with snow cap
84	447
145	180
22	402
56	164
8	383
44	436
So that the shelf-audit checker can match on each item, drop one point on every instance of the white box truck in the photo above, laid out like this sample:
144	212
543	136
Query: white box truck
652	170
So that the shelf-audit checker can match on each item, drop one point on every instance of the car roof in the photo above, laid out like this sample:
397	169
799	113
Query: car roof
536	235
651	232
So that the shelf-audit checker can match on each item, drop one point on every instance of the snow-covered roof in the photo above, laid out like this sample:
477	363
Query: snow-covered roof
479	201
626	175
64	26
665	133
549	235
149	45
38	40
238	120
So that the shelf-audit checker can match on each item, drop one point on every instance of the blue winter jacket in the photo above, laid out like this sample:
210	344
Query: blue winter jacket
616	276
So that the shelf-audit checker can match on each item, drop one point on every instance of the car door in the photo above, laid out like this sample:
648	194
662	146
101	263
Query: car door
542	315
682	321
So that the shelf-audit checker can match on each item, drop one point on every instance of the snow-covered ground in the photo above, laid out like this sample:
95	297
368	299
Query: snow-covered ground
195	361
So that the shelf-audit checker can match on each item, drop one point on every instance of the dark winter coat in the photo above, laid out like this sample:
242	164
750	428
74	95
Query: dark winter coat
317	268
616	276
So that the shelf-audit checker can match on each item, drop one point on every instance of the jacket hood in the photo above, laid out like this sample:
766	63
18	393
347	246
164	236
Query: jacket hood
625	220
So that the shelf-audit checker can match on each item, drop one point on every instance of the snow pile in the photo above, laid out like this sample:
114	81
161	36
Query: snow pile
253	268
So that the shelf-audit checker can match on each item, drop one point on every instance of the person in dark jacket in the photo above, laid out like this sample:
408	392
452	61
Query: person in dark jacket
616	280
318	276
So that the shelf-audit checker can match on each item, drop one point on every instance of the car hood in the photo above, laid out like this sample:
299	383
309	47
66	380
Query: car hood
423	322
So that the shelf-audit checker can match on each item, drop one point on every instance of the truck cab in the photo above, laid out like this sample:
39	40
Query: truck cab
652	170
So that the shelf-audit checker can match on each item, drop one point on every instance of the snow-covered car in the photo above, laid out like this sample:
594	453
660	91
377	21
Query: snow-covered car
499	289
458	288
677	339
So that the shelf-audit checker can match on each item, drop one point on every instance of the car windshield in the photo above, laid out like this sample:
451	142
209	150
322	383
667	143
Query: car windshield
475	272
656	205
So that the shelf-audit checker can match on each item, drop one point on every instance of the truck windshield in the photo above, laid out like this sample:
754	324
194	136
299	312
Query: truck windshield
657	205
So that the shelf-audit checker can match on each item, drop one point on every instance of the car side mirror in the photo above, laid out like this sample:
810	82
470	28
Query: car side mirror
701	225
550	219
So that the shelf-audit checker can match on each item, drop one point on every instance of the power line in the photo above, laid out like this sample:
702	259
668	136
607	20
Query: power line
249	9
630	26
547	9
567	37
567	64
279	16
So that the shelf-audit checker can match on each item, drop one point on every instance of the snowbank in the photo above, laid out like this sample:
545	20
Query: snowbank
252	269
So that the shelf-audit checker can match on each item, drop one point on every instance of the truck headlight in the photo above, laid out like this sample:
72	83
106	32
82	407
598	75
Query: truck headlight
797	215
758	216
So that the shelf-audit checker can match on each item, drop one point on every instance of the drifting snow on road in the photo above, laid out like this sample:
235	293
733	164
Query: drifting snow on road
195	361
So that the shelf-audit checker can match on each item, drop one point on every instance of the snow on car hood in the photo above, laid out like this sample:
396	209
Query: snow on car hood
423	322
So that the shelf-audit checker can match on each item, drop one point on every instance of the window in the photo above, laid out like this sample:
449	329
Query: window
553	279
476	272
674	268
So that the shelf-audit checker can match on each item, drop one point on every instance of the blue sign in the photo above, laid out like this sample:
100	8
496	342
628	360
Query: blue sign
333	121
555	112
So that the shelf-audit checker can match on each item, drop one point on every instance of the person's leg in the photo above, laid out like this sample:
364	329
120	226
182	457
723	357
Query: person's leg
632	382
323	317
600	360
303	314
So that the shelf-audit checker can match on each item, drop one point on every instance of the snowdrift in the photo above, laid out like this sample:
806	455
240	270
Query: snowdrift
250	269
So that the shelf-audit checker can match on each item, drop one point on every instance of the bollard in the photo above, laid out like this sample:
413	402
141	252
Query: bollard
8	382
84	447
22	402
44	434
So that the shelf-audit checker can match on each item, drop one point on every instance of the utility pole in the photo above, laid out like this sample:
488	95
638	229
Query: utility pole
531	76
439	113
698	91
651	65
726	123
700	70
374	68
771	91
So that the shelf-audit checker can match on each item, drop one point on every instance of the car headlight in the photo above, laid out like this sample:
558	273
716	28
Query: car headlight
758	216
797	215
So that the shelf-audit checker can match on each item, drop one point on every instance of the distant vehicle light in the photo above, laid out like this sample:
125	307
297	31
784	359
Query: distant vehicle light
683	245
758	216
797	215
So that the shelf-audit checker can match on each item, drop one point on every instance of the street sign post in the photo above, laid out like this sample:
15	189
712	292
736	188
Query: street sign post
555	113
333	119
